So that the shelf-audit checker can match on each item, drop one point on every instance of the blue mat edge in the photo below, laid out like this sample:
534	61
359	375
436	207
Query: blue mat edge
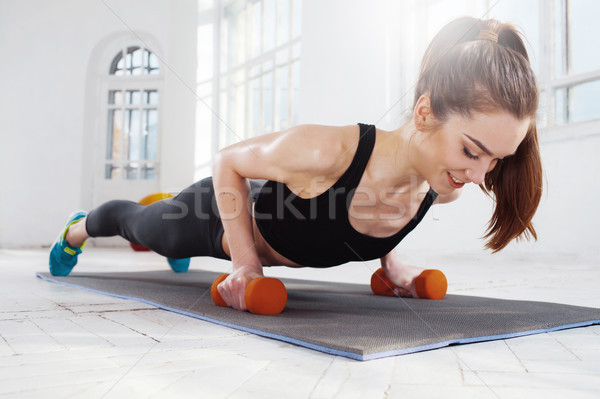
331	351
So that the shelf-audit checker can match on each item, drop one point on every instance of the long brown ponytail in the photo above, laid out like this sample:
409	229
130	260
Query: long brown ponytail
475	65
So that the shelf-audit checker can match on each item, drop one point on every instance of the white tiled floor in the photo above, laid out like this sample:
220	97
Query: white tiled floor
59	342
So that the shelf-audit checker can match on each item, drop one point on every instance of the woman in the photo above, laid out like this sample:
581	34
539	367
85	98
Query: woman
337	194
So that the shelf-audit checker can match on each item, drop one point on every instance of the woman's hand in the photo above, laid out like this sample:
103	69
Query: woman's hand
233	288
401	274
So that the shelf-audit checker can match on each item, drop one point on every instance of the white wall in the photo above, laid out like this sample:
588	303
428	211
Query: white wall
45	85
350	67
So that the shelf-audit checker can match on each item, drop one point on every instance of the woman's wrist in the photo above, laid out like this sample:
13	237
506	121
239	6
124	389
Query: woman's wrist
248	269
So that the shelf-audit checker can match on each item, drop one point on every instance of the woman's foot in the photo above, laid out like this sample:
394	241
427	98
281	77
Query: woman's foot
179	265
63	255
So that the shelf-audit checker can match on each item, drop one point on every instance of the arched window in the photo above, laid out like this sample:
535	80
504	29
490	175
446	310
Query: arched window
132	128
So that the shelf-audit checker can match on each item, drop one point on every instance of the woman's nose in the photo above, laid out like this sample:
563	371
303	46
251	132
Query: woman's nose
477	174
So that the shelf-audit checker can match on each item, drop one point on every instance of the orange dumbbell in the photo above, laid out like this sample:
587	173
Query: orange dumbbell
264	295
430	284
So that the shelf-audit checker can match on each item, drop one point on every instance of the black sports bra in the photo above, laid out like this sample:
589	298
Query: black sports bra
316	232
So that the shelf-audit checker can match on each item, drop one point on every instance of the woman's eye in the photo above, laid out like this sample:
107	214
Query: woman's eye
468	154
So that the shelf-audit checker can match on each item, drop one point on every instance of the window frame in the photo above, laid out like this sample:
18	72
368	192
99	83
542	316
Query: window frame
550	81
123	83
241	76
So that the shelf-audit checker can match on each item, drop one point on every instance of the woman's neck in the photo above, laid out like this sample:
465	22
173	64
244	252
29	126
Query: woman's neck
403	156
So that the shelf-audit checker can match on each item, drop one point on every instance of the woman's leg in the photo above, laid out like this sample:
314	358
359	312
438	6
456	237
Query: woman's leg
77	234
180	227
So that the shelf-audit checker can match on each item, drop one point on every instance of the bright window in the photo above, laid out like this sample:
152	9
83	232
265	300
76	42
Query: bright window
575	82
132	125
260	68
562	37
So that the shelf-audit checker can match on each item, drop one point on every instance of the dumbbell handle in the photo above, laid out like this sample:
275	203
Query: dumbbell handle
430	284
264	295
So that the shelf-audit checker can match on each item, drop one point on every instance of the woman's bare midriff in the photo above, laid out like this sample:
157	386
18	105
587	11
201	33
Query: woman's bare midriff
267	255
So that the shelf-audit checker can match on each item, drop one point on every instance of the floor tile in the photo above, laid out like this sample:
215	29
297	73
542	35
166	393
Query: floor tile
58	341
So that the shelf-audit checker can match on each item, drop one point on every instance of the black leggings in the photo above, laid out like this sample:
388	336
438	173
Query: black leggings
186	225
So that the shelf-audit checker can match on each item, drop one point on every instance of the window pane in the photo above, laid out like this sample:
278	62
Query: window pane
150	134
146	62
254	107
583	102
149	63
578	103
270	21
583	35
148	172
116	66
267	103
283	21
112	172
137	61
223	134
560	38
133	61
283	100
255	13
254	71
296	92
204	53
132	134
283	56
128	62
561	106
543	112
151	97
115	97
267	65
296	18
133	97
153	62
131	171
259	98
239	47
114	134
238	106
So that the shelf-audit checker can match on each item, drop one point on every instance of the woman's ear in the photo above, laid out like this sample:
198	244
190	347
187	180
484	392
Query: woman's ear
422	116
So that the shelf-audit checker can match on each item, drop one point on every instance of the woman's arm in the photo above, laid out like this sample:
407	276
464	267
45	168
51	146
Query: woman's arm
232	193
292	157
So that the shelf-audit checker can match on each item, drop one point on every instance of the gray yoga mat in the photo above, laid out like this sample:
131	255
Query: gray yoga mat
345	319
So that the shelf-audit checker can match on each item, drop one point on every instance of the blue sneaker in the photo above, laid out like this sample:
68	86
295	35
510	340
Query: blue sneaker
63	257
179	265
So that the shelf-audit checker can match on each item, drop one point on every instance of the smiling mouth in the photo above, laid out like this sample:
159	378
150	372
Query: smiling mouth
454	182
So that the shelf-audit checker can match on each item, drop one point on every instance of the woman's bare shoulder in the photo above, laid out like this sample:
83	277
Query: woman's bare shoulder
295	154
326	147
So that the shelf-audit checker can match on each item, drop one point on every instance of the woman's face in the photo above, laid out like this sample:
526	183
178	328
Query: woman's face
463	149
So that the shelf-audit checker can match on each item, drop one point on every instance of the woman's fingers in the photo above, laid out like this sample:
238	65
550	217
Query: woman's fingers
232	290
403	292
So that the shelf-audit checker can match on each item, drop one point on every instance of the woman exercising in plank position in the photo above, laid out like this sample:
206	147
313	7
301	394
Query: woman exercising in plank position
351	193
